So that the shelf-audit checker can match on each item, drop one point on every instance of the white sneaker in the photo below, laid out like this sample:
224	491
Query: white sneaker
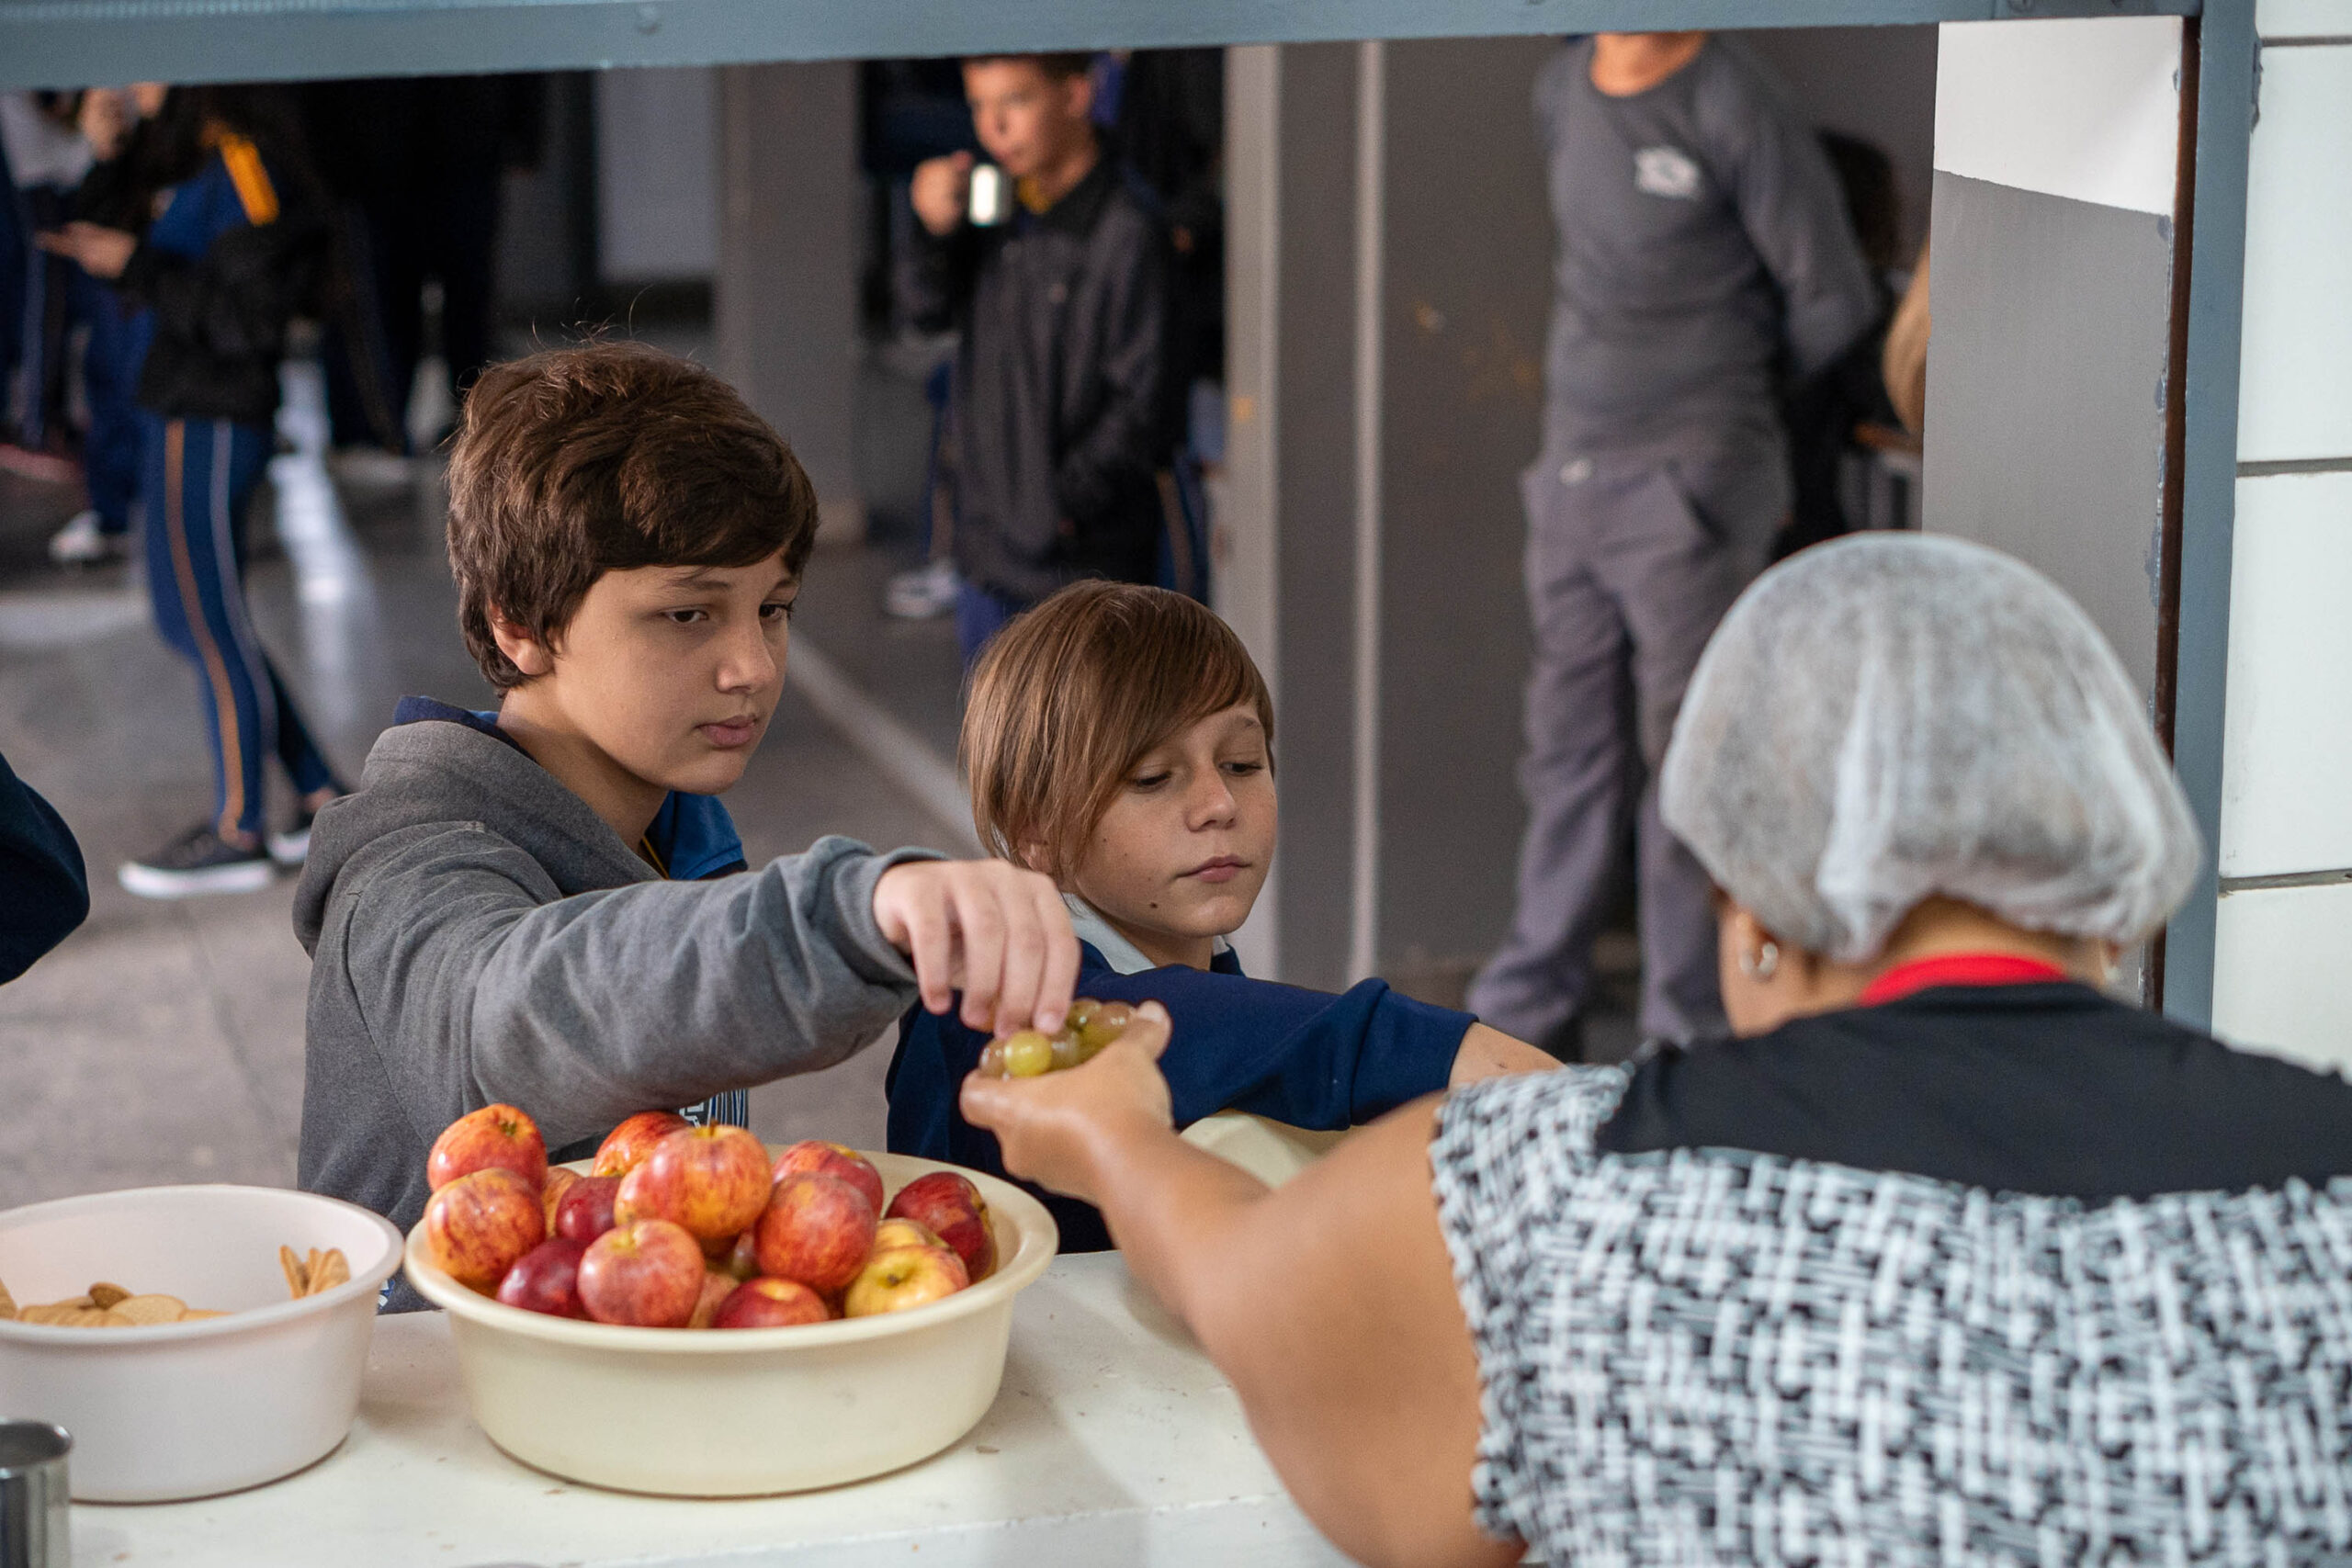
82	542
197	862
923	594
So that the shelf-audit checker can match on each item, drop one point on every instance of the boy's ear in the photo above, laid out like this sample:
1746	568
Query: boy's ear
1037	857
526	652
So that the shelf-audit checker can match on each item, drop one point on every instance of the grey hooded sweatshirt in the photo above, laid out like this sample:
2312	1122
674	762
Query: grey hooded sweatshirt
478	934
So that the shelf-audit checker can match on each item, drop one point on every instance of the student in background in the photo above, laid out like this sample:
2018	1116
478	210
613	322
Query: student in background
1058	413
44	157
118	123
230	257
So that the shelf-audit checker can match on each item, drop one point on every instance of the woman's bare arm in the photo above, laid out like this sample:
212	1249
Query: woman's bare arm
1489	1053
1329	1303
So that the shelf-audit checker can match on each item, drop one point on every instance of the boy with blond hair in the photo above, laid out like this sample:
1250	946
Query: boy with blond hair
1120	740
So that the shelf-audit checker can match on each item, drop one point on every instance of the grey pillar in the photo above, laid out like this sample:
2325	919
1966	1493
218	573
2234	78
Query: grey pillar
1390	255
785	299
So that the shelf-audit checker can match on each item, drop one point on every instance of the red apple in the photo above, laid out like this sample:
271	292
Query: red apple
561	1180
904	1277
648	1274
478	1226
742	1260
905	1233
762	1303
495	1136
547	1279
631	1142
715	1288
817	1230
954	1209
713	1180
832	1159
586	1212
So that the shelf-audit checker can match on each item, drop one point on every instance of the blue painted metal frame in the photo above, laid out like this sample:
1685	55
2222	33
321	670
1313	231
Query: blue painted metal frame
63	43
2228	60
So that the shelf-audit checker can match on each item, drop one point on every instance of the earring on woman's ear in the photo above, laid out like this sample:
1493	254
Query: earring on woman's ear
1762	963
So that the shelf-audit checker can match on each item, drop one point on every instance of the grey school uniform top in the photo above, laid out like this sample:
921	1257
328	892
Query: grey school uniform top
2009	1276
1702	249
478	934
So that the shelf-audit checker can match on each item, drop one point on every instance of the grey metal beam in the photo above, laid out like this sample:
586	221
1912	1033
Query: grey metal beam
63	43
2225	97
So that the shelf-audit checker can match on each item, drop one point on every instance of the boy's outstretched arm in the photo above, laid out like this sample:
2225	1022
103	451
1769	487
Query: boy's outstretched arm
1330	1303
480	983
1300	1057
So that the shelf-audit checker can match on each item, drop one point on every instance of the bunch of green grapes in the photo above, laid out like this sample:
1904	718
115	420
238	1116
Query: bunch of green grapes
1026	1053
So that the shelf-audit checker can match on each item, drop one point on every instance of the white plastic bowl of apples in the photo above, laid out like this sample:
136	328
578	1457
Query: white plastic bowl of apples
694	1314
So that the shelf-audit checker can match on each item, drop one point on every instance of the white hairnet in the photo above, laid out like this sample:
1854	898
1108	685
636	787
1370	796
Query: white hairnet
1895	715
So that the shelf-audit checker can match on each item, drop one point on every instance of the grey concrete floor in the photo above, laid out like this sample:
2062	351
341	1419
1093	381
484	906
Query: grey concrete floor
164	1041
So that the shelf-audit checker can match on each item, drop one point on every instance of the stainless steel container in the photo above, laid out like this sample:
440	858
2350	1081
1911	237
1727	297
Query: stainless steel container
34	1520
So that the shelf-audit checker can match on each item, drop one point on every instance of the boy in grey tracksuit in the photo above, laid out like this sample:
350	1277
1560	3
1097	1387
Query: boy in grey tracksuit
543	904
1704	258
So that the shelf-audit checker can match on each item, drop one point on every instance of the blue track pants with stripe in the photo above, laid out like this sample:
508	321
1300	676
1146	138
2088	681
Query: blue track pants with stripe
196	476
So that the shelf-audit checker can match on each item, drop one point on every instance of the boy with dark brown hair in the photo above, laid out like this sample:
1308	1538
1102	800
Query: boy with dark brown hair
535	905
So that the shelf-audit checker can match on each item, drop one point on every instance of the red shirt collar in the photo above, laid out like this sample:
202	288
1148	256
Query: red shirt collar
1957	969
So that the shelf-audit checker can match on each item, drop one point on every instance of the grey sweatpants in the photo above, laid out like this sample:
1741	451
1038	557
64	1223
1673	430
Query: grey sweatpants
1631	562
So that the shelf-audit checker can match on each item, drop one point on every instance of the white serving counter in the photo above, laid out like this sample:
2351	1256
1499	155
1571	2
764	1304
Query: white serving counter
1113	1440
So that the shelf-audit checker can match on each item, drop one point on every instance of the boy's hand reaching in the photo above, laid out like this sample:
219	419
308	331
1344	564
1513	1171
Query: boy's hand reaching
998	933
1056	1129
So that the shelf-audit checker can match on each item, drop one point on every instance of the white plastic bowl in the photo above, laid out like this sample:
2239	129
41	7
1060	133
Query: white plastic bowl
188	1410
745	1412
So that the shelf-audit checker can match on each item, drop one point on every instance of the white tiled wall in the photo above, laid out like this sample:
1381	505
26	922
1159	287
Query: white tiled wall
2282	962
2295	392
2281	981
2287	769
2304	19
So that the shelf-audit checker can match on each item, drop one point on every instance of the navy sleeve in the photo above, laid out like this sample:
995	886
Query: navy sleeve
1303	1057
44	893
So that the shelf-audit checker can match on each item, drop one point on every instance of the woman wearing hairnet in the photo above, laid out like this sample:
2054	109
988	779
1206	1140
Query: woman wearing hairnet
1949	1257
